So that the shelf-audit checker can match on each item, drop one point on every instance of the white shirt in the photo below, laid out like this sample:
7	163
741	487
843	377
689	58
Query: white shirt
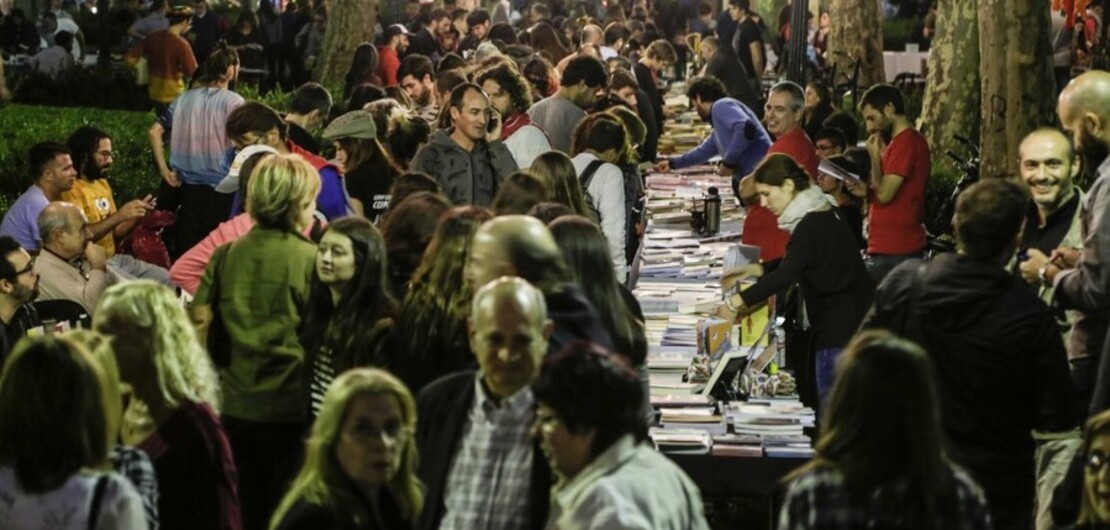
629	486
606	192
526	144
68	507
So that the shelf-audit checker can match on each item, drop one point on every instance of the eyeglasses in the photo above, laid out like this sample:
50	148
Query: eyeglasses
105	154
364	432
30	267
1096	461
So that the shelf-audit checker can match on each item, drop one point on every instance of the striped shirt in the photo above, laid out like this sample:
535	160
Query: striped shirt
490	478
200	151
323	373
135	466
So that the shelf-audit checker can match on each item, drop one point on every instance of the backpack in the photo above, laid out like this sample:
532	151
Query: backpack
633	203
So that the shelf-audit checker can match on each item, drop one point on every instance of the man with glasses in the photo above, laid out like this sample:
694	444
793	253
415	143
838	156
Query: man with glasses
70	266
91	150
829	142
19	286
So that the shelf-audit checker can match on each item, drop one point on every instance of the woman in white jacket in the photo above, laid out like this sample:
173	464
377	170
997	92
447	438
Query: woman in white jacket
603	181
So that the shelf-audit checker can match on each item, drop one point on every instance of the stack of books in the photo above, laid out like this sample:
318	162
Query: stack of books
780	425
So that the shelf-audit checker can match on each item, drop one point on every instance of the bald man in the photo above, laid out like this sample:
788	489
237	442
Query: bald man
70	266
1081	277
479	463
522	246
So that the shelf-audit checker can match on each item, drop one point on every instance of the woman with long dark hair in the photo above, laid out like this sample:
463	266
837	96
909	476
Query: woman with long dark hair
364	63
369	171
408	230
822	256
818	107
350	310
556	168
880	459
587	253
432	325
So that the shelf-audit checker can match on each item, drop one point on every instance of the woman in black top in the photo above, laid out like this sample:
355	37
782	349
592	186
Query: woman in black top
821	255
369	171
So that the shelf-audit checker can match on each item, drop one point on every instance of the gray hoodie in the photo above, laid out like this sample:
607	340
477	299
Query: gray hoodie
466	178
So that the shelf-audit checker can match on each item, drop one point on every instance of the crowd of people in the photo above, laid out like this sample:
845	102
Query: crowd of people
409	307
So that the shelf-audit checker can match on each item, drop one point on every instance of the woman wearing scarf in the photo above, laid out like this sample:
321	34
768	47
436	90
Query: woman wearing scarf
822	256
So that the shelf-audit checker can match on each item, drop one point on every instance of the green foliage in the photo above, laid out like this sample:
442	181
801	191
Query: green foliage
276	99
898	31
938	189
21	126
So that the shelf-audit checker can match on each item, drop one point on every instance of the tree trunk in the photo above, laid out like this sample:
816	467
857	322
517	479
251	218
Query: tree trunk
951	103
857	35
350	23
1018	93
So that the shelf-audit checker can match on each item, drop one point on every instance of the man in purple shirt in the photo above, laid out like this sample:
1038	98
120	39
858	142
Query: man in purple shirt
54	174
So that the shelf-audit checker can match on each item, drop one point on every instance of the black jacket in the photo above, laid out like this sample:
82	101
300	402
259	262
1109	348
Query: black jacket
575	320
823	257
1000	363
443	408
727	67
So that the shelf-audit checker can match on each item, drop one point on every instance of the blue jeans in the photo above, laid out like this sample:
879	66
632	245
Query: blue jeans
825	360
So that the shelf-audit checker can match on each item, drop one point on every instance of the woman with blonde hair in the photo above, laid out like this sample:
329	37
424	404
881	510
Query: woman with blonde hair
360	459
128	461
1094	507
160	357
252	294
556	168
54	437
432	326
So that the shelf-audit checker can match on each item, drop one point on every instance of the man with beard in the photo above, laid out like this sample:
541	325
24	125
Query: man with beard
53	174
1079	275
559	114
426	41
19	286
469	159
900	166
396	42
738	137
417	76
509	96
91	150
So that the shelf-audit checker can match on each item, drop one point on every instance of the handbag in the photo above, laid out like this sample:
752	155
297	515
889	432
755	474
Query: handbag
218	340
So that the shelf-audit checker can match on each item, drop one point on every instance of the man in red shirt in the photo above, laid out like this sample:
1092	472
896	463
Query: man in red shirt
389	55
900	166
783	119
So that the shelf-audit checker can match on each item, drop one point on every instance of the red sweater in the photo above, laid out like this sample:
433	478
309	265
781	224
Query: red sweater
388	64
761	227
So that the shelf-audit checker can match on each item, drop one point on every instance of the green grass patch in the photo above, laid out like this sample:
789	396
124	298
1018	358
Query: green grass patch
133	173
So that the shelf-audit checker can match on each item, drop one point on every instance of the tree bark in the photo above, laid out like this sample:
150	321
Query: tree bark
857	35
952	92
350	23
1018	92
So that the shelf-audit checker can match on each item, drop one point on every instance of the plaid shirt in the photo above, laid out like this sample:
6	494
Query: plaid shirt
135	465
489	482
820	499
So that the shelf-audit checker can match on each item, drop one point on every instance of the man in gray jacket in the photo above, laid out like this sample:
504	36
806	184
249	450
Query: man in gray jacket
468	159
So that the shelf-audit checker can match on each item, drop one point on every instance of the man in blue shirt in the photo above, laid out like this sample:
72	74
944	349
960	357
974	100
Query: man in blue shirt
737	137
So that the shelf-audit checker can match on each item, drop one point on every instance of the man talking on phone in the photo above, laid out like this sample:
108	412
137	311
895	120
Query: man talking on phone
468	158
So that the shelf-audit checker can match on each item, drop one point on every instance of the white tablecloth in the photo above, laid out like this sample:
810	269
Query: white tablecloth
898	62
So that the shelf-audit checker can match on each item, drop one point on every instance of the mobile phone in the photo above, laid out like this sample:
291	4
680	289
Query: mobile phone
491	124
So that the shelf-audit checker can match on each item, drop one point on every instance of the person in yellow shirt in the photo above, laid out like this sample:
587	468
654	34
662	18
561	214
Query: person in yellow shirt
91	150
